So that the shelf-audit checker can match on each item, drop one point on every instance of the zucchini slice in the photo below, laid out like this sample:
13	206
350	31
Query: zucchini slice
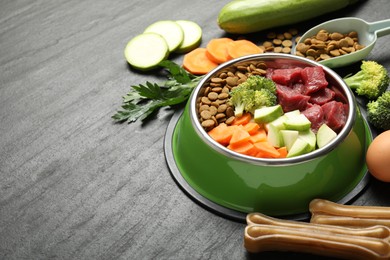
146	50
192	36
170	31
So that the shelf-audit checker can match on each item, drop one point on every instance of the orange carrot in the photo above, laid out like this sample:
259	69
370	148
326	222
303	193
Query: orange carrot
242	120
259	136
239	137
222	133
243	148
246	137
241	48
217	50
253	151
197	62
282	152
251	127
266	150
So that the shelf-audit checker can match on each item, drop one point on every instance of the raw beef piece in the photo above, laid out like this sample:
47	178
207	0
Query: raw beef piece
335	115
287	76
322	96
316	116
299	87
314	79
290	99
269	73
338	95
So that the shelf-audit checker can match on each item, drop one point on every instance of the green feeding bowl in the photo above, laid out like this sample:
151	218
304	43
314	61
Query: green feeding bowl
233	184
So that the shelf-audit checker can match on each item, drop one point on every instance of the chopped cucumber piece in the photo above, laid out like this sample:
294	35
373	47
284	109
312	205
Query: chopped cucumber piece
274	137
278	122
297	122
192	36
299	147
146	50
292	113
268	114
289	137
325	135
310	137
170	31
273	131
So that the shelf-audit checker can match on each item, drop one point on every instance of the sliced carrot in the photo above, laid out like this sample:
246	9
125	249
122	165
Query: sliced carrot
266	150
251	127
259	136
242	120
282	152
222	133
239	137
253	151
241	48
243	148
217	50
197	62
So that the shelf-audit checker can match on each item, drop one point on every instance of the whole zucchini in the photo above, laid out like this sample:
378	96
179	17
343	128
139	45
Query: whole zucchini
246	16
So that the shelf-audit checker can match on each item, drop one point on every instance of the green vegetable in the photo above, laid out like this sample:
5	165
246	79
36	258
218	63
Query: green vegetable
247	16
192	36
378	111
170	31
298	122
143	100
310	137
273	127
274	136
238	98
371	81
299	147
260	98
325	135
289	137
146	50
259	82
268	114
252	94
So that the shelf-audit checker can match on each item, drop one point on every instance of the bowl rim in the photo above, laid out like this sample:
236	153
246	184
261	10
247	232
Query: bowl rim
352	110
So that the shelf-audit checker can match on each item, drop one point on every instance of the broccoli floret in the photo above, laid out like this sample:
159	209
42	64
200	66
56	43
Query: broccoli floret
378	111
259	82
238	98
371	81
260	98
254	93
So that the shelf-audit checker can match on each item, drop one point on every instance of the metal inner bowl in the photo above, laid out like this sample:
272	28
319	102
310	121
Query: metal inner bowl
277	187
278	61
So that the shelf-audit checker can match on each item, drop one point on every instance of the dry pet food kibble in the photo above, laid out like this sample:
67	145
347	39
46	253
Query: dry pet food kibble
212	105
279	42
325	45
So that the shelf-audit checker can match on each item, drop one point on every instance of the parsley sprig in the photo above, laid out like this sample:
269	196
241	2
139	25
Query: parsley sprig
146	98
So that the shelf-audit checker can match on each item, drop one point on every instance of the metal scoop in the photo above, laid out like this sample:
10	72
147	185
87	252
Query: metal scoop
367	33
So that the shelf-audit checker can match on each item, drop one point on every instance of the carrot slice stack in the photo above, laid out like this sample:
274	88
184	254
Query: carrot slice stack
197	63
217	50
241	48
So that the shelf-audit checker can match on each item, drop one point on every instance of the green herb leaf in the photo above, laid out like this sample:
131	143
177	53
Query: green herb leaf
144	99
179	74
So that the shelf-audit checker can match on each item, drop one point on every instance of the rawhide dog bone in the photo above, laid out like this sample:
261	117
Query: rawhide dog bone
330	213
374	231
348	221
270	234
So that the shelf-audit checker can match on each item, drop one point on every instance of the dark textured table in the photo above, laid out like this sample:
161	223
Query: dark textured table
75	185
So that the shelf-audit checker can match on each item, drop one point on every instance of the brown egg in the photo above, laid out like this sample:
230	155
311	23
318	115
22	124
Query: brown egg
378	157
